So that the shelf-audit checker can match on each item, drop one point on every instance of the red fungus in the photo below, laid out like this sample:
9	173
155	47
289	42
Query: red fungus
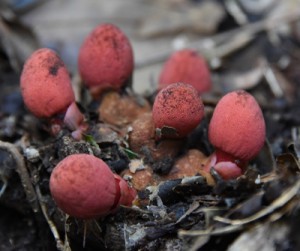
45	84
237	131
83	186
127	194
74	120
228	170
186	66
177	110
105	58
47	91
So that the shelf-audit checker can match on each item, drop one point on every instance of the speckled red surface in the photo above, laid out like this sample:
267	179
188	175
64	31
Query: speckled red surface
186	66
178	106
83	186
45	84
105	57
237	126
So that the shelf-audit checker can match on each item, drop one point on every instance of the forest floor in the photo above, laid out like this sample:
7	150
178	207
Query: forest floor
254	48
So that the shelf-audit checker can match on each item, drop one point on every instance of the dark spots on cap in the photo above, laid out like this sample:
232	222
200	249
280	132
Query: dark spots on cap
55	66
241	93
177	95
242	98
193	54
166	94
114	43
71	180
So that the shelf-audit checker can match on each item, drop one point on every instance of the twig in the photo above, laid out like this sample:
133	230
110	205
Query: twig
4	186
211	47
279	202
218	231
273	82
23	174
59	243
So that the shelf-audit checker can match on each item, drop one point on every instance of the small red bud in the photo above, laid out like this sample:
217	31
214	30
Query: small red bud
186	66
237	131
47	92
177	110
45	84
83	186
105	58
237	126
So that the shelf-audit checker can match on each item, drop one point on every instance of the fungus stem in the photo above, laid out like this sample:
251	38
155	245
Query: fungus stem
74	120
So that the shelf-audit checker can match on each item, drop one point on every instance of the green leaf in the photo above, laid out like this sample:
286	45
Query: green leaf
90	139
130	154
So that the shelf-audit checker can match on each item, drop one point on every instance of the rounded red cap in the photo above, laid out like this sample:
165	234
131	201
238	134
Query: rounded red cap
45	84
237	126
105	58
83	186
177	107
186	66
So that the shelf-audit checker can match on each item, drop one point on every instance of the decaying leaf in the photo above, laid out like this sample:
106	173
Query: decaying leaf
16	40
266	237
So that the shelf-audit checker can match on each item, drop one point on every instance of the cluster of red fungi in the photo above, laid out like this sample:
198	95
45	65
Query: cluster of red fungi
83	185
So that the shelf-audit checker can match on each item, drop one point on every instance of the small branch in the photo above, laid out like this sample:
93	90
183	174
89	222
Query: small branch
286	197
221	45
59	243
23	173
218	231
